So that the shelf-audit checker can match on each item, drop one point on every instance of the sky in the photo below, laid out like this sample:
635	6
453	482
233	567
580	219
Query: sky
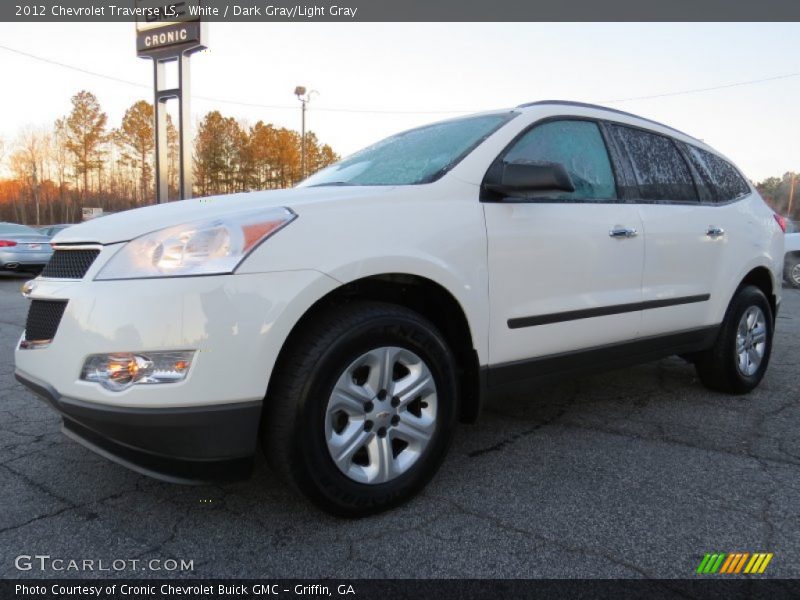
374	79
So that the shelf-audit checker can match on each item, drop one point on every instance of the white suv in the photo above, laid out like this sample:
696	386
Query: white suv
349	323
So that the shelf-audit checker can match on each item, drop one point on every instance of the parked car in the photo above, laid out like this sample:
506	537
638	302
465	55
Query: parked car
347	324
23	249
791	265
51	230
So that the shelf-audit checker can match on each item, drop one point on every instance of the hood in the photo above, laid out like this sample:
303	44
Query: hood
130	224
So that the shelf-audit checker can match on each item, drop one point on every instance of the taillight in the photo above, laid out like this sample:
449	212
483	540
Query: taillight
778	219
7	243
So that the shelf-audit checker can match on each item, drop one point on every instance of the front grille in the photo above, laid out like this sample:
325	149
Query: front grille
70	264
44	317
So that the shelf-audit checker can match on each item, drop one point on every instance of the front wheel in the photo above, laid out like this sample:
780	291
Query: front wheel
739	358
363	407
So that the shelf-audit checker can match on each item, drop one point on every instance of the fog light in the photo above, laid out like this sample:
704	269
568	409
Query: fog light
121	370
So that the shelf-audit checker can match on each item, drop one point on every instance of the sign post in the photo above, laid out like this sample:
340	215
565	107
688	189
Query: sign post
171	31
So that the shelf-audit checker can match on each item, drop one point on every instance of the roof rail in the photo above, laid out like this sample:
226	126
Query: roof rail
597	106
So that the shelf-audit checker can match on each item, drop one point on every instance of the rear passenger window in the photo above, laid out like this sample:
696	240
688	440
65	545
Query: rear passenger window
660	170
579	146
724	178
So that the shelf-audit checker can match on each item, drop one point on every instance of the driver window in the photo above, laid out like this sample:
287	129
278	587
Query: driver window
579	146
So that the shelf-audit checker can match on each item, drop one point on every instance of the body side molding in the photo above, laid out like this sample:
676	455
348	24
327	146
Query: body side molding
602	311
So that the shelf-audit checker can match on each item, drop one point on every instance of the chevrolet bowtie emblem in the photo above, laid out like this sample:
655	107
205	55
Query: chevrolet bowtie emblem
27	288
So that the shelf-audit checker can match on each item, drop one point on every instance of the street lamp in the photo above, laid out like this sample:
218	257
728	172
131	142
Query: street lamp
305	98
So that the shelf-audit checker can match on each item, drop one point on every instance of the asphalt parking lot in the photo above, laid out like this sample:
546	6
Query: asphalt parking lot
635	473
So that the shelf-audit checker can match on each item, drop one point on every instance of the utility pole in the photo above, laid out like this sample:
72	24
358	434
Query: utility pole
305	98
791	197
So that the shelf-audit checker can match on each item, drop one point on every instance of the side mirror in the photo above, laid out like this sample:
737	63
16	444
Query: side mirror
522	176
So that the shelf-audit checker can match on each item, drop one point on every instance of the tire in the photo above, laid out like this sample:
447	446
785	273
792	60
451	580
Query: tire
340	350
720	368
791	271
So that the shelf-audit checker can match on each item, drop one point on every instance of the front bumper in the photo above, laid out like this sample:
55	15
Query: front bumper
179	445
236	324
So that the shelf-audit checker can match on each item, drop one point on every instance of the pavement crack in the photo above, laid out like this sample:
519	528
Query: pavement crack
514	437
574	548
674	442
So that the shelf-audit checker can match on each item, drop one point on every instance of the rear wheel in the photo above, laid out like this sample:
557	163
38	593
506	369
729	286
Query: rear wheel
739	358
363	407
791	271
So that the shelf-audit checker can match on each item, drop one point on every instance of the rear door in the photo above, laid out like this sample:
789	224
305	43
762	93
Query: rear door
686	230
565	269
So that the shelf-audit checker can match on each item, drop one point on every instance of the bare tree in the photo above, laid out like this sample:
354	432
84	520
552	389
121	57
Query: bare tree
27	162
60	157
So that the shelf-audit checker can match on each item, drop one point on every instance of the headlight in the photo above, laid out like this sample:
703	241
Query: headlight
206	247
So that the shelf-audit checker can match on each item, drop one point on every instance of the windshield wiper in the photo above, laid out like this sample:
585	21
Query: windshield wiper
332	183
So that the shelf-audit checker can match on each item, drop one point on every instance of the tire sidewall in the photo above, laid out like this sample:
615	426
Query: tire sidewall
747	297
790	266
320	477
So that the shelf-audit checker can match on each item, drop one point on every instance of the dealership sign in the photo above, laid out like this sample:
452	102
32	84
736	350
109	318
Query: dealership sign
169	36
168	27
90	212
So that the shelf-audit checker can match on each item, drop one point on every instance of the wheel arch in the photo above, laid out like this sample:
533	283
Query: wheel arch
425	296
762	278
791	255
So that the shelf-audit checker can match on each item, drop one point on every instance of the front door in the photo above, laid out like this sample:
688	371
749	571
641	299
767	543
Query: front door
565	269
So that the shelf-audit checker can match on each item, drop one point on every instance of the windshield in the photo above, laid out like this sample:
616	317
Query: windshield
14	229
417	156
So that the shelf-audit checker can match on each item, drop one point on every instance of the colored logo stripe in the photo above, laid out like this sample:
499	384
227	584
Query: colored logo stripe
710	563
740	564
766	562
736	562
758	563
728	562
703	563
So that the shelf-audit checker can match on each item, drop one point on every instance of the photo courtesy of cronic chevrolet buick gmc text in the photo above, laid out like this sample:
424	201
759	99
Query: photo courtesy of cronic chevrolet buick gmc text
348	324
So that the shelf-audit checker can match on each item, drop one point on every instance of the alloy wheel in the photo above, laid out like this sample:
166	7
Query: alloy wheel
751	341
381	415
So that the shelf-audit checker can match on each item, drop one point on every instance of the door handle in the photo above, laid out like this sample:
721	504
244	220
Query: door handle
623	232
715	232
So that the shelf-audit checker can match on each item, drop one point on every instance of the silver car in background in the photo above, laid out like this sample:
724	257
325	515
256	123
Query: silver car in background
22	248
51	230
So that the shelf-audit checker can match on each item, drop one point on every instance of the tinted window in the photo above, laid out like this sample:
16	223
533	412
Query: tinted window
579	146
723	176
706	189
659	169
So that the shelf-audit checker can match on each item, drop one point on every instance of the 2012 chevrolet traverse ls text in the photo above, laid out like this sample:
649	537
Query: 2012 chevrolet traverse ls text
347	324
